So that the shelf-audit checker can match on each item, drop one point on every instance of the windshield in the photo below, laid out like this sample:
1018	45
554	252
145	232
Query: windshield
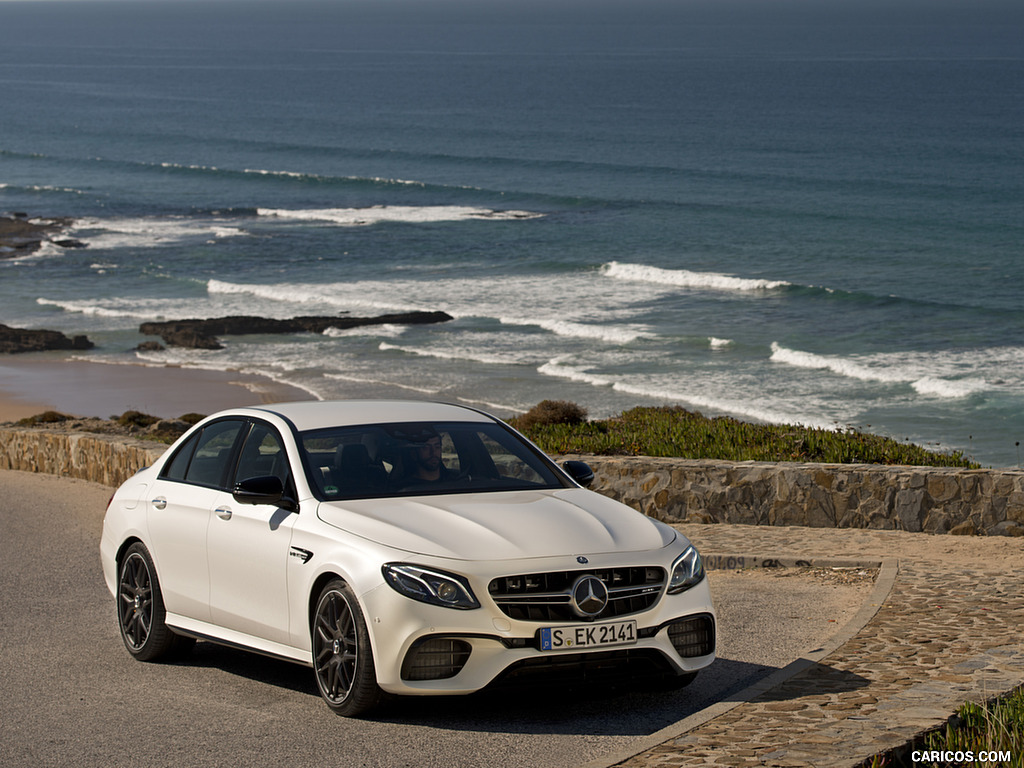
381	460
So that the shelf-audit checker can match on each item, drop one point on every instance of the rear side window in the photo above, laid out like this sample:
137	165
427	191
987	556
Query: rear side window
178	465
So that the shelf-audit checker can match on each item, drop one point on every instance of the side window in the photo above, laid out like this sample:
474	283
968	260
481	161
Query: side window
262	454
176	468
449	454
210	463
509	463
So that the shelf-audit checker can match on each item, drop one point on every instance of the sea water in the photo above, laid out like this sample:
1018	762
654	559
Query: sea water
796	212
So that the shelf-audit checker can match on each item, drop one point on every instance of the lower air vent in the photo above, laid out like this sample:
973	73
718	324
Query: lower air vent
435	659
694	636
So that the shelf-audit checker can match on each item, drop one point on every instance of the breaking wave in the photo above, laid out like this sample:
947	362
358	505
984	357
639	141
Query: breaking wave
684	278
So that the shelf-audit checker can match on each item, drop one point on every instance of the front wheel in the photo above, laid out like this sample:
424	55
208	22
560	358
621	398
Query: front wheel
342	659
140	609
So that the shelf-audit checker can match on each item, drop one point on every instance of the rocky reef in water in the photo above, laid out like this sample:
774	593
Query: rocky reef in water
202	334
22	236
15	340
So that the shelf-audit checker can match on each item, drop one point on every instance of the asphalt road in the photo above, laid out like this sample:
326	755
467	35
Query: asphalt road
72	696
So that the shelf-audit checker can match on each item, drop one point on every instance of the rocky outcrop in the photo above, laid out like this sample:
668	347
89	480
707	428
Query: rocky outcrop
202	334
21	236
14	340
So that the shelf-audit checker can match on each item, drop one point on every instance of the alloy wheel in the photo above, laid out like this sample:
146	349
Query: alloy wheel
135	601
336	647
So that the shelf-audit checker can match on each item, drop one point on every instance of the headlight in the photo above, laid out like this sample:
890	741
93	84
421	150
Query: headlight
687	571
429	586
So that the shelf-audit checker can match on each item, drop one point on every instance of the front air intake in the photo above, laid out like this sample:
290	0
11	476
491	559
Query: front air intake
435	659
693	636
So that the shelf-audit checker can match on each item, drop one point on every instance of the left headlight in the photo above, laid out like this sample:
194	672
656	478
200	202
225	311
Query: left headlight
687	571
429	586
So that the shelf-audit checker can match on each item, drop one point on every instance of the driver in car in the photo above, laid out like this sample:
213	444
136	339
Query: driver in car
427	466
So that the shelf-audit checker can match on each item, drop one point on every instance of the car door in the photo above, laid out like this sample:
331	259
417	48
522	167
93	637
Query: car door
249	545
181	504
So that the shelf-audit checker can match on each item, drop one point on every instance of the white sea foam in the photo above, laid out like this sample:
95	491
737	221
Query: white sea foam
151	232
362	217
684	278
379	382
100	307
170	308
716	343
331	296
574	373
386	330
666	389
949	388
607	333
562	307
931	374
843	366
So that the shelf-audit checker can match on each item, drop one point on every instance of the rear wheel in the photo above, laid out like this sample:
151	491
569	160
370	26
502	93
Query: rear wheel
140	609
342	659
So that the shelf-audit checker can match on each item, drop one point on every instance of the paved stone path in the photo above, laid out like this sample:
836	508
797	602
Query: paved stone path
947	627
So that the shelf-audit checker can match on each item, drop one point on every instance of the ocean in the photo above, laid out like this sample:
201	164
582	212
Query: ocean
793	211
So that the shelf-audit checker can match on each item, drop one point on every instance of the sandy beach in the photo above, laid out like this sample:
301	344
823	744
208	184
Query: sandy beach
29	386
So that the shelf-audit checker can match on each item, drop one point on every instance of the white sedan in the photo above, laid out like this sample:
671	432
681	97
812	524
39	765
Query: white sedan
397	548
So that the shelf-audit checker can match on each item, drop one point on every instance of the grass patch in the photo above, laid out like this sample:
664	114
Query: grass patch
995	729
679	433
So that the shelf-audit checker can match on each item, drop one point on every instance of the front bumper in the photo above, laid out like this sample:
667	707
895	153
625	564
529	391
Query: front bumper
462	651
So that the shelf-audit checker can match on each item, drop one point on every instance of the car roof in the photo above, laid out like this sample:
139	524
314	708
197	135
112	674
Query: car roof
317	414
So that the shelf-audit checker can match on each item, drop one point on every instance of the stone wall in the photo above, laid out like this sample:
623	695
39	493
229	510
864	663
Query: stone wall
102	459
925	499
933	500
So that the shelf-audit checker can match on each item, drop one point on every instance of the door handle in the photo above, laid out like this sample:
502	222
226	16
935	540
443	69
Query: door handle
223	513
159	503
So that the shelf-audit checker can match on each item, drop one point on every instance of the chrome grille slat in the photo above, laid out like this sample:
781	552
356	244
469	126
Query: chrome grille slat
547	596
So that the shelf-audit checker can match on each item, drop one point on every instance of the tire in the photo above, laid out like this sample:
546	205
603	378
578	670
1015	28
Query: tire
140	609
342	659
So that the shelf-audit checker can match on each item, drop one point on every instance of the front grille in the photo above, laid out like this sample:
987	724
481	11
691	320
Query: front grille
548	596
694	636
435	659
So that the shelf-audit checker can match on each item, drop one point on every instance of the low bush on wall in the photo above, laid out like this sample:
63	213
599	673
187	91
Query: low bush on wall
676	432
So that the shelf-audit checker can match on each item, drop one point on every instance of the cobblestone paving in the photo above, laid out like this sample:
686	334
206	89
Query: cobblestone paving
949	631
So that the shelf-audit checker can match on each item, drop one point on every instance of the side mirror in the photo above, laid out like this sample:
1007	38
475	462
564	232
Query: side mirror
579	471
264	490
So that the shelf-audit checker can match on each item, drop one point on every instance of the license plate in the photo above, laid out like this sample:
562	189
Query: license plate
588	636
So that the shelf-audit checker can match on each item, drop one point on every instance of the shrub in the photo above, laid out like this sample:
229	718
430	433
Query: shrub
47	417
550	412
136	419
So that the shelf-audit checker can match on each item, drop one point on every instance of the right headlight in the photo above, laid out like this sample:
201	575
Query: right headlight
430	586
687	571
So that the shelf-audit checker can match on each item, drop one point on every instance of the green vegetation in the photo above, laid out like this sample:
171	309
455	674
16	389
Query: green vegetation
47	417
997	726
559	427
133	423
136	420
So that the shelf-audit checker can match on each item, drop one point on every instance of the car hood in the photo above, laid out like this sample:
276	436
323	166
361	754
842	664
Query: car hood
500	526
